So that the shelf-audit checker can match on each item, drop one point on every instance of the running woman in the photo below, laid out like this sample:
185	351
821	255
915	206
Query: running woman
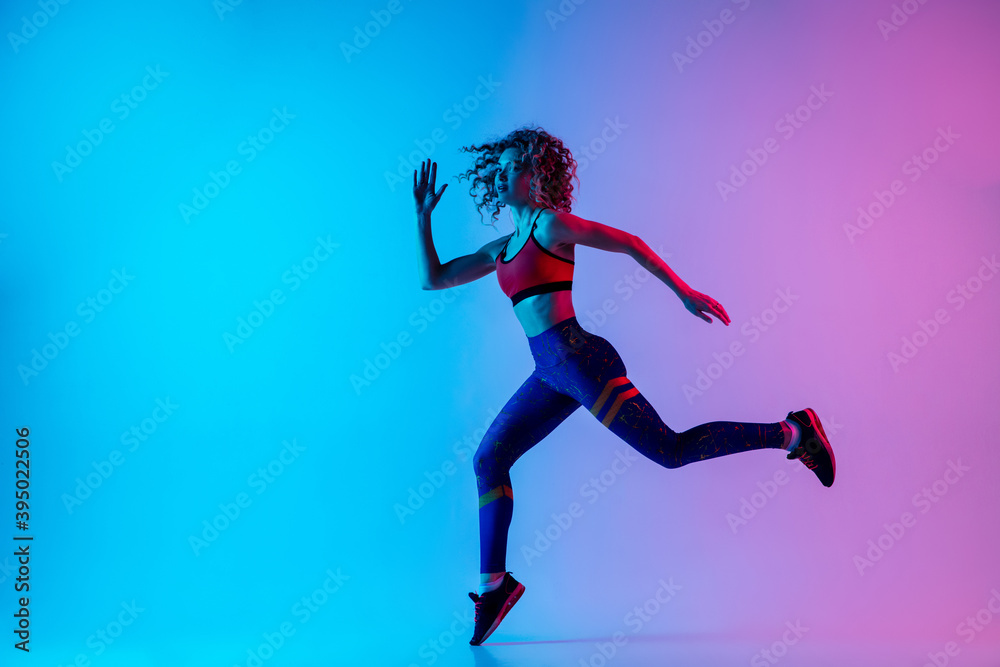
529	171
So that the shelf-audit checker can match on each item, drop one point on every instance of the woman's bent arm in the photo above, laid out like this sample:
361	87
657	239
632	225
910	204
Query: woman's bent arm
461	270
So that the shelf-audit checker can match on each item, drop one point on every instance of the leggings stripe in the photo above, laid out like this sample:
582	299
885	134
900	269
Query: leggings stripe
608	388
617	404
493	494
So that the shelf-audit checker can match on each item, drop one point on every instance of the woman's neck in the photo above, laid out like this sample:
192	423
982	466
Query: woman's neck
521	215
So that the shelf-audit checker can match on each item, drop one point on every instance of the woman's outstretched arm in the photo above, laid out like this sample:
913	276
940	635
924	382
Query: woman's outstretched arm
569	228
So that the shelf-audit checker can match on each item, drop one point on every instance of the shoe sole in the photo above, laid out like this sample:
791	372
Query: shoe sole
817	425
511	601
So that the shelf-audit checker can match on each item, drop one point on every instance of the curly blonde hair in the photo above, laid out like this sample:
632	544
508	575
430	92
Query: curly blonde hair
551	163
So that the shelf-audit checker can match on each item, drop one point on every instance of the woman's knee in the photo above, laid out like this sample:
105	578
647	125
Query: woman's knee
487	464
481	461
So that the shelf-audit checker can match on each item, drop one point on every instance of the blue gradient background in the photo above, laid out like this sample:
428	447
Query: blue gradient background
325	175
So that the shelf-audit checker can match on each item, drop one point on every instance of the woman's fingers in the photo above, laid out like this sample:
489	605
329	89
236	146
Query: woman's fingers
700	304
714	307
428	178
721	313
423	174
426	168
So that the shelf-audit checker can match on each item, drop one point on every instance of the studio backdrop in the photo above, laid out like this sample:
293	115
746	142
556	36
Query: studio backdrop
236	431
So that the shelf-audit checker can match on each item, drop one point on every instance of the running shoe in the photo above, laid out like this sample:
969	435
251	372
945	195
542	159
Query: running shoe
492	606
814	448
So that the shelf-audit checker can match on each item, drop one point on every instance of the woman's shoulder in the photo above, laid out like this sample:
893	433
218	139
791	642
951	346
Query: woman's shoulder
544	222
543	233
546	216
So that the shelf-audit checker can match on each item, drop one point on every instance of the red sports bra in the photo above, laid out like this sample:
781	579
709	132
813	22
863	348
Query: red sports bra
533	270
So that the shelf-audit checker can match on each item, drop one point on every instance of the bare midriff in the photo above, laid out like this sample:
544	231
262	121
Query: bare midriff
538	313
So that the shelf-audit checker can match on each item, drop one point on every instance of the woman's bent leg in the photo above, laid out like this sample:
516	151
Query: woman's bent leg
638	424
596	377
532	413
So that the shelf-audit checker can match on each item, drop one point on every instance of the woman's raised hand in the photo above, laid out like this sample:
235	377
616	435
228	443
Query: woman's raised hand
423	190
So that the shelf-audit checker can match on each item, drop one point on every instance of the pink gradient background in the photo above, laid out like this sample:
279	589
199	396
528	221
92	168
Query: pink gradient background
894	432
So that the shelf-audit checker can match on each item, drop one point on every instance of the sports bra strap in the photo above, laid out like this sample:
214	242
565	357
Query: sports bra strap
503	250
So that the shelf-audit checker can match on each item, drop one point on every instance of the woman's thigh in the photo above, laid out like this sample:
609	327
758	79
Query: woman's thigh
529	415
594	376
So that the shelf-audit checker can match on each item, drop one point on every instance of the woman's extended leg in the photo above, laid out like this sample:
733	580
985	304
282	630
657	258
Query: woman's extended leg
531	414
595	376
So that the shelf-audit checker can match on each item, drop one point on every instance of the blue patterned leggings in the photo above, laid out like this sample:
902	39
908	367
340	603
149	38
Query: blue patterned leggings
574	367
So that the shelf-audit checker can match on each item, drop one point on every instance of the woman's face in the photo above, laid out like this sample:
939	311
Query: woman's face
513	179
